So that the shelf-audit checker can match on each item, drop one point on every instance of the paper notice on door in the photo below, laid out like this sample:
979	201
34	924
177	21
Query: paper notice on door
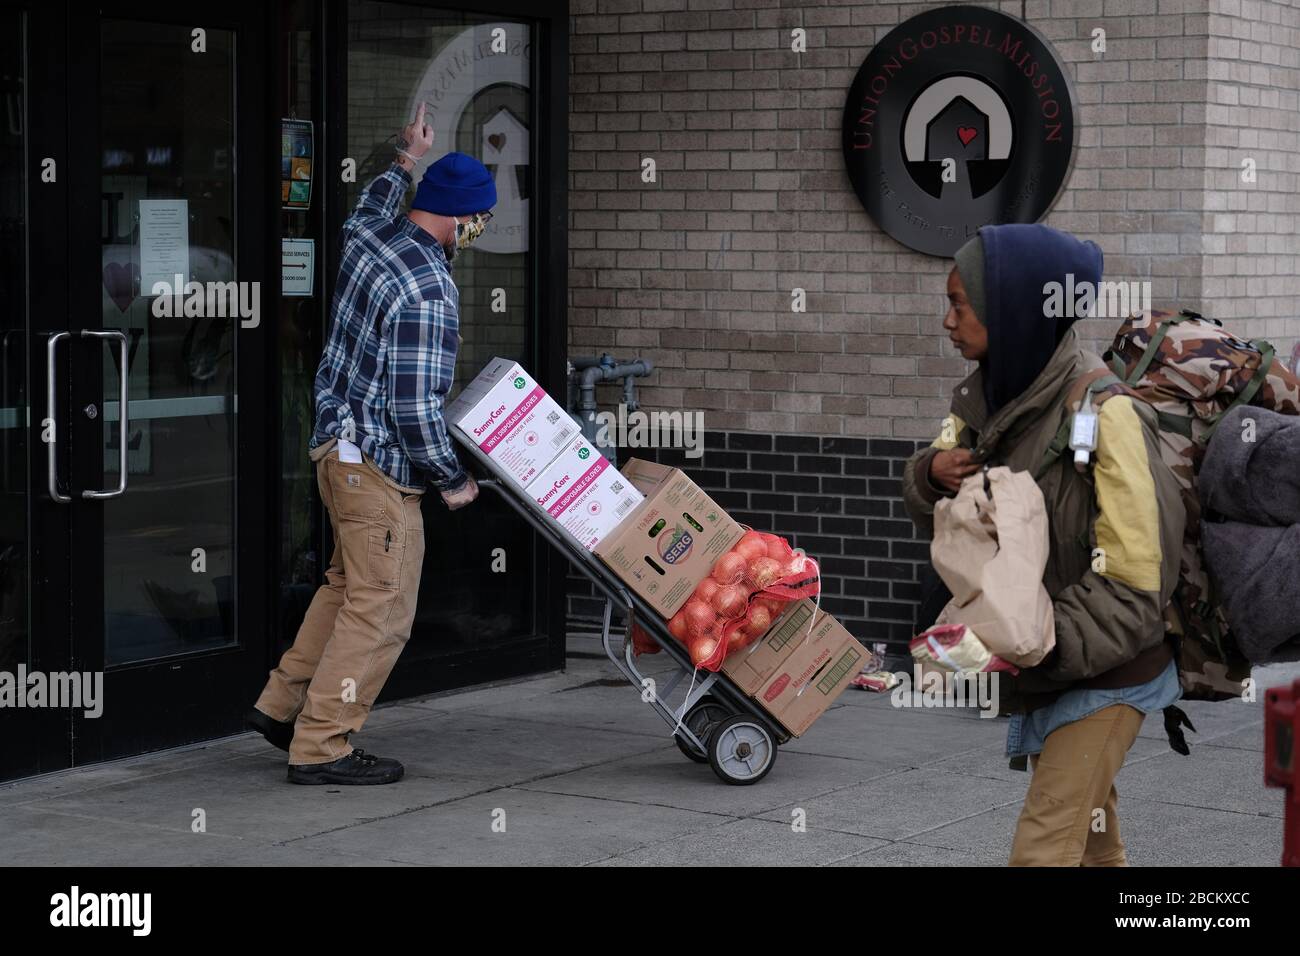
164	245
297	266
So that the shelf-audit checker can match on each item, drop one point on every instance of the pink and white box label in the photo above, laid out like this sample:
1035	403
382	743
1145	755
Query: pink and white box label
584	493
512	420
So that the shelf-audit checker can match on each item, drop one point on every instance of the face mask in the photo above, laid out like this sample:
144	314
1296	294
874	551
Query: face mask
467	232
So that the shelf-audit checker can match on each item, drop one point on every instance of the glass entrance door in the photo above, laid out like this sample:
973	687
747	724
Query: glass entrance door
167	187
136	513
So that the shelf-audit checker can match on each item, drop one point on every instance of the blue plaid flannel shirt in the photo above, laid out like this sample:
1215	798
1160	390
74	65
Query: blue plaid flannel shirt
391	354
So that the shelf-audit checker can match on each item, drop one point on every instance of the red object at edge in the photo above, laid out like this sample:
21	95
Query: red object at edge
1281	731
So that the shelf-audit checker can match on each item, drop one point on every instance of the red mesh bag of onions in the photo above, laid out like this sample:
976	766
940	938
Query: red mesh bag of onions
743	594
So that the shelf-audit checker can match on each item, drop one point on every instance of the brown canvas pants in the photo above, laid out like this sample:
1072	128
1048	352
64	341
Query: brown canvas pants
1073	778
360	618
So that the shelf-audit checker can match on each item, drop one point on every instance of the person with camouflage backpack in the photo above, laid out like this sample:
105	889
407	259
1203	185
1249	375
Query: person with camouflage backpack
1193	372
1115	530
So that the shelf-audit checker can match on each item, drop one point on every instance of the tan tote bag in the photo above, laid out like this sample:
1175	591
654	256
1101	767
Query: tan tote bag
990	547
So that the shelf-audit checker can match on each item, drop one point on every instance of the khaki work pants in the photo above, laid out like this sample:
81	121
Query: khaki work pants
1073	778
360	618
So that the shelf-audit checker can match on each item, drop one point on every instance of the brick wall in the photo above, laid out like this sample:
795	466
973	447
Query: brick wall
1252	252
694	271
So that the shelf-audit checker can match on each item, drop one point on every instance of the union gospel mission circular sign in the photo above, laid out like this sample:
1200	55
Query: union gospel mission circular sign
959	117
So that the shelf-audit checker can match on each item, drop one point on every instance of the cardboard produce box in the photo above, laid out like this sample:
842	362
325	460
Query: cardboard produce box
671	541
512	420
750	667
812	675
586	495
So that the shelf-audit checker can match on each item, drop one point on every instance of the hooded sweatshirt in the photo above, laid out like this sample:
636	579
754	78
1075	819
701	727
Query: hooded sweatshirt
1020	262
1115	529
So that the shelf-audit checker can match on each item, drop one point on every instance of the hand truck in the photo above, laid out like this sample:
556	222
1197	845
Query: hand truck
721	726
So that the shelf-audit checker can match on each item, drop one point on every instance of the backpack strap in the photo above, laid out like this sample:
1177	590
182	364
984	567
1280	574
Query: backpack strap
1092	381
1054	450
1117	366
1152	348
1173	422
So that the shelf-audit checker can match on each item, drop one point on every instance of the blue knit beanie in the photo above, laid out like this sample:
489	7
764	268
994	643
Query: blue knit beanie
456	185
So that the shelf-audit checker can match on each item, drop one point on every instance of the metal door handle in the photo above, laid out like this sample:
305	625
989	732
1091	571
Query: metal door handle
51	450
122	418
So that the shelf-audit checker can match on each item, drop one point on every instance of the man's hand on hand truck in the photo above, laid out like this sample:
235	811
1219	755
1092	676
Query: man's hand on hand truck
462	495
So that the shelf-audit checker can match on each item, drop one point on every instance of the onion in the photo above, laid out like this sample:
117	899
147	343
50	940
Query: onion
778	550
774	605
677	626
730	601
699	617
708	587
751	546
764	572
730	568
759	620
738	639
702	648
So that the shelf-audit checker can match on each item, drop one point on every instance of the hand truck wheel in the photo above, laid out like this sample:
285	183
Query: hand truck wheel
700	718
741	750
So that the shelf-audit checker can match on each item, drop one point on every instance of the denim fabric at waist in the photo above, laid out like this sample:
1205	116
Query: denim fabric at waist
1026	732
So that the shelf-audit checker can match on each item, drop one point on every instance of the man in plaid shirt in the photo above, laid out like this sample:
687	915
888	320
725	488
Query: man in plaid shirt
379	440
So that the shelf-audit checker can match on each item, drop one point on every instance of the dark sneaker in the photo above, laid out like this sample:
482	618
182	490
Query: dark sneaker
357	767
278	733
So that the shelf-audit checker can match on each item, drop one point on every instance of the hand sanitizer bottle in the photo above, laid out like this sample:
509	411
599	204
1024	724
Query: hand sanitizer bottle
1083	432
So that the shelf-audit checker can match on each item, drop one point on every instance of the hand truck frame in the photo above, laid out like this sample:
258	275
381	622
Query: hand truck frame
721	725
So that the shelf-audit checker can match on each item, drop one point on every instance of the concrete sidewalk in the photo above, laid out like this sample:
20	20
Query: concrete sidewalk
586	774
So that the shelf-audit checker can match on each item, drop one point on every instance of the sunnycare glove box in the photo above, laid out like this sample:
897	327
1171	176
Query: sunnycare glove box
584	493
512	420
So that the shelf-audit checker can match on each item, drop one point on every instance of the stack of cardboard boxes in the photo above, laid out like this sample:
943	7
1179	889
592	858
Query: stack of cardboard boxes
670	543
534	443
657	530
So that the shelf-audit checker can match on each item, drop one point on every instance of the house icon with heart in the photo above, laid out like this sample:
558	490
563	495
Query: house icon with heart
961	120
505	150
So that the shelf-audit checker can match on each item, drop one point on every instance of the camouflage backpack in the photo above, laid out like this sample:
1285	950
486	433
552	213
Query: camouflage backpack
1193	372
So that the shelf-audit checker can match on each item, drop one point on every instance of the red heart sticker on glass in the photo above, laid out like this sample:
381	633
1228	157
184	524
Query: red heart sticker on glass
966	134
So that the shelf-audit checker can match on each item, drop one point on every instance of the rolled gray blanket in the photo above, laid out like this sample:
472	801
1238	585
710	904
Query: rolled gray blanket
1257	481
1257	570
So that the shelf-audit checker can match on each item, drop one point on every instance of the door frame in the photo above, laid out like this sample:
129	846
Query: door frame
40	739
